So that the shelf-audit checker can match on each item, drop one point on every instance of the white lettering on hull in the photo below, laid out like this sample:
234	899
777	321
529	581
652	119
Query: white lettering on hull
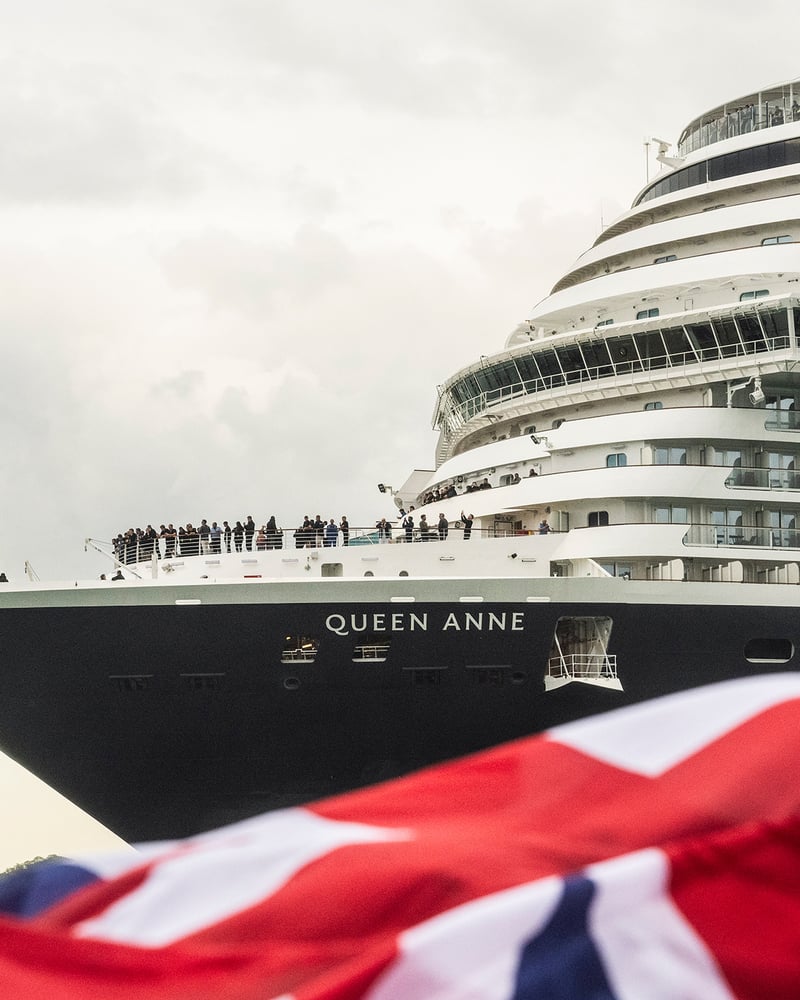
400	621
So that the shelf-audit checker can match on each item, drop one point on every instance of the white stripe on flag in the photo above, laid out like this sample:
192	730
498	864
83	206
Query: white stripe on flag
471	952
217	875
652	737
648	948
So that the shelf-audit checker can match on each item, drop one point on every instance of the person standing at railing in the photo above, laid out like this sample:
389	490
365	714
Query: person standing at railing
408	525
249	531
273	537
544	527
226	531
467	525
238	536
205	537
331	534
443	527
216	538
344	527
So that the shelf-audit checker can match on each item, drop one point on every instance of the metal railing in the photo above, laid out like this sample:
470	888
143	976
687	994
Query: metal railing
451	415
583	666
144	552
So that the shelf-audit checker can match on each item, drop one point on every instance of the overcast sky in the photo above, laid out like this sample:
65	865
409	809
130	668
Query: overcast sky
241	241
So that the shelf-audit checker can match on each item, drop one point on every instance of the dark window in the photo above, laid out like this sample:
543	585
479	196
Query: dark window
769	650
717	168
651	349
678	346
597	518
616	460
657	405
598	359
728	336
646	313
664	260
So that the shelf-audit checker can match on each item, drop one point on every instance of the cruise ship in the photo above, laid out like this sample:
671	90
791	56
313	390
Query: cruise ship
612	515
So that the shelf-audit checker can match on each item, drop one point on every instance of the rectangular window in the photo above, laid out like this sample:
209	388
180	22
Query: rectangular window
646	313
758	294
597	518
656	405
671	515
665	260
670	456
617	460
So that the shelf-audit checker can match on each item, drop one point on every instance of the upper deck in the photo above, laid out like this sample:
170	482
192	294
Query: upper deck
732	340
768	108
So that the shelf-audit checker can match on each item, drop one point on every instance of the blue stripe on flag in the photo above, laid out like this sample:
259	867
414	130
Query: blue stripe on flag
562	962
29	891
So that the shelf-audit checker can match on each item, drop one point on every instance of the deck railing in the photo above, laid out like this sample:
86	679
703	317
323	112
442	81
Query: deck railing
582	666
742	535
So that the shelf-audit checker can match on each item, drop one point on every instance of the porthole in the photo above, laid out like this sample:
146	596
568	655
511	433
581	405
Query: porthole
369	573
291	683
767	649
403	572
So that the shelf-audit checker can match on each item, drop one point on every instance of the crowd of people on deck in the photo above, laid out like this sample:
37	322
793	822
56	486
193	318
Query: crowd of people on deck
168	542
316	533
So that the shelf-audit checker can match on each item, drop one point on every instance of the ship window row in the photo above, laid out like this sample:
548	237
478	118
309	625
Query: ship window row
717	168
755	468
541	369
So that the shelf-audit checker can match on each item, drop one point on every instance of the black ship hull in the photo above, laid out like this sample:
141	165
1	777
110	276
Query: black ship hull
172	713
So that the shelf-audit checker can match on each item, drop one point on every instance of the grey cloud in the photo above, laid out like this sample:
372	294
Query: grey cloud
78	134
183	386
251	276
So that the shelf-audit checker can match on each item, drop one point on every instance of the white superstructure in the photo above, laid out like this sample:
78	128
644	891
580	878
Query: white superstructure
654	394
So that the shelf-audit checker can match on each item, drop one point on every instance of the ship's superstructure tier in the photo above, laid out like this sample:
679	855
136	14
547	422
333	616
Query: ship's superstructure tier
648	408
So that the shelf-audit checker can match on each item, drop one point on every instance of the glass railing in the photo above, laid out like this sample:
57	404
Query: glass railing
736	536
752	117
764	479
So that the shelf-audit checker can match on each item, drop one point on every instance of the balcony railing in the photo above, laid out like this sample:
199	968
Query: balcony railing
740	535
764	479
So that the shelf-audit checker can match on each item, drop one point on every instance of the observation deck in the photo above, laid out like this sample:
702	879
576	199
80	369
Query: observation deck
777	105
691	348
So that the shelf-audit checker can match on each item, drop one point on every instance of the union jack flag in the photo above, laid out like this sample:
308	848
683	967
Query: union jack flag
652	852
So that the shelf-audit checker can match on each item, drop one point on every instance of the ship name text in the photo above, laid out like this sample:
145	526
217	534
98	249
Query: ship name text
402	621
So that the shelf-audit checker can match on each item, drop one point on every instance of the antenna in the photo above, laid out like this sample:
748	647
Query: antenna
646	142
